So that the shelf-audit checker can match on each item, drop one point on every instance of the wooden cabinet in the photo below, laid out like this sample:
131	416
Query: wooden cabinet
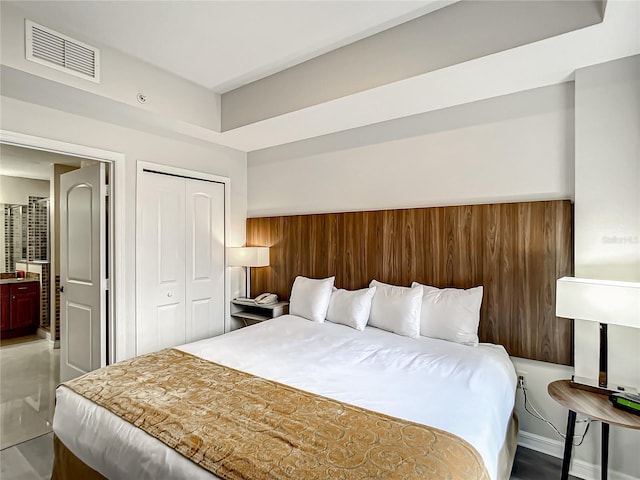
19	309
4	308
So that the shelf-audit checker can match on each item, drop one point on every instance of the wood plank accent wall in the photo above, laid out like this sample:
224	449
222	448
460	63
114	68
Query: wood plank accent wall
515	250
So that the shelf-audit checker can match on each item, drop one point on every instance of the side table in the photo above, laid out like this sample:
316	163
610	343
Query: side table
595	406
258	312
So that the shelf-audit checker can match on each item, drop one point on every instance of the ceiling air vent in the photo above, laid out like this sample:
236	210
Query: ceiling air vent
55	50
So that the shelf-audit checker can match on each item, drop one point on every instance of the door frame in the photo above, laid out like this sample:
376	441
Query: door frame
116	189
196	175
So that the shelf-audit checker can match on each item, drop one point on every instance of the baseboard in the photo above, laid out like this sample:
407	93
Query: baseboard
43	334
555	448
541	444
47	336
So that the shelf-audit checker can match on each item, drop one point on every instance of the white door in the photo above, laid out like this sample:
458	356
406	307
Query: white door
161	282
83	272
204	259
181	261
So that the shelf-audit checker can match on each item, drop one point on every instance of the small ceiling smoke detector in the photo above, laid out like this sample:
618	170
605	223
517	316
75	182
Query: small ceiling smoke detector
142	98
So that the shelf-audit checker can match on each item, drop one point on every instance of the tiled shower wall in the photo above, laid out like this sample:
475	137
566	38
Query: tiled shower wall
38	249
38	229
8	236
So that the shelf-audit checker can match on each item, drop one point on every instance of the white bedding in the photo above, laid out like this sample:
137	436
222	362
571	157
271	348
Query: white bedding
468	391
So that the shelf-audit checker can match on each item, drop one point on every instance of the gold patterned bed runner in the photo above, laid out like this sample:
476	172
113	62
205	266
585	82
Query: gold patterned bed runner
239	426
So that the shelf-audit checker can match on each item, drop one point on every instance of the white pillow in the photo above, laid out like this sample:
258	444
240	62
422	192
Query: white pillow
310	298
396	309
351	308
451	313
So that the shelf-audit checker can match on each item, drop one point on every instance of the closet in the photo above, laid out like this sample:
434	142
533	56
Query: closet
180	255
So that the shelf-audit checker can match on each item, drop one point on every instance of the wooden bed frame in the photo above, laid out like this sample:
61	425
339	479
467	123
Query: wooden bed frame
515	250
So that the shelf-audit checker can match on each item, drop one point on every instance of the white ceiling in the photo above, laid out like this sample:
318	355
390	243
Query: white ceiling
243	41
222	45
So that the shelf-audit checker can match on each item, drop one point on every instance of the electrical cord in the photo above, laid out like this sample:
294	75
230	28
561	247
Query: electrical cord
539	416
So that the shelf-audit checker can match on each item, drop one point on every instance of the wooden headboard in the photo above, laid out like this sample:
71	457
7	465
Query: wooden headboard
515	250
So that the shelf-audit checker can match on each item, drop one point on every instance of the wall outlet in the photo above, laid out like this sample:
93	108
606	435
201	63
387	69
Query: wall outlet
521	383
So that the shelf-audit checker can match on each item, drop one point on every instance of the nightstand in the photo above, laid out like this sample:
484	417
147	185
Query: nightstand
253	312
595	406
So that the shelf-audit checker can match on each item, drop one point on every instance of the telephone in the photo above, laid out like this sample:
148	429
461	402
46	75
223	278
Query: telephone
266	299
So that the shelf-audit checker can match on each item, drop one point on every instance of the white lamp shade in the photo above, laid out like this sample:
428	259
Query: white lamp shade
248	256
604	301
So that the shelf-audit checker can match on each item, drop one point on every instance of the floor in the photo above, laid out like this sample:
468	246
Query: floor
532	465
29	374
31	460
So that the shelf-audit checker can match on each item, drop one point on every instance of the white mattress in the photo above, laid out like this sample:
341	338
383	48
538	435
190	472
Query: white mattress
468	391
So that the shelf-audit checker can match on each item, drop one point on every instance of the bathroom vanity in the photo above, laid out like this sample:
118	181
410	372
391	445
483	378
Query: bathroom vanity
19	307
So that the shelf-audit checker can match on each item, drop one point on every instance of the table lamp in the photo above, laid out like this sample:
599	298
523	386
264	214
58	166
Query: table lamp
248	257
607	302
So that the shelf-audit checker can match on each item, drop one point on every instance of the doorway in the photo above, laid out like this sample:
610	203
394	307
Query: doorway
30	363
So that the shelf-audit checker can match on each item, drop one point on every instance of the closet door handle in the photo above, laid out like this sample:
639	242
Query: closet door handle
22	288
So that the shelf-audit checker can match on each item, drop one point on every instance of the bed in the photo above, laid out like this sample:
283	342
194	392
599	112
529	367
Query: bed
467	391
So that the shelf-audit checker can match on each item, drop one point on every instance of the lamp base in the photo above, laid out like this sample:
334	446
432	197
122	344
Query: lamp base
591	385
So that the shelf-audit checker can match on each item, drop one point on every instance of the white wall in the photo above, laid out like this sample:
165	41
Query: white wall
16	190
608	170
512	148
607	213
39	121
122	76
607	218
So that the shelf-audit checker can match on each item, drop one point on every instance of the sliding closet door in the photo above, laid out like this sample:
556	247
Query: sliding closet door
204	259
161	257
